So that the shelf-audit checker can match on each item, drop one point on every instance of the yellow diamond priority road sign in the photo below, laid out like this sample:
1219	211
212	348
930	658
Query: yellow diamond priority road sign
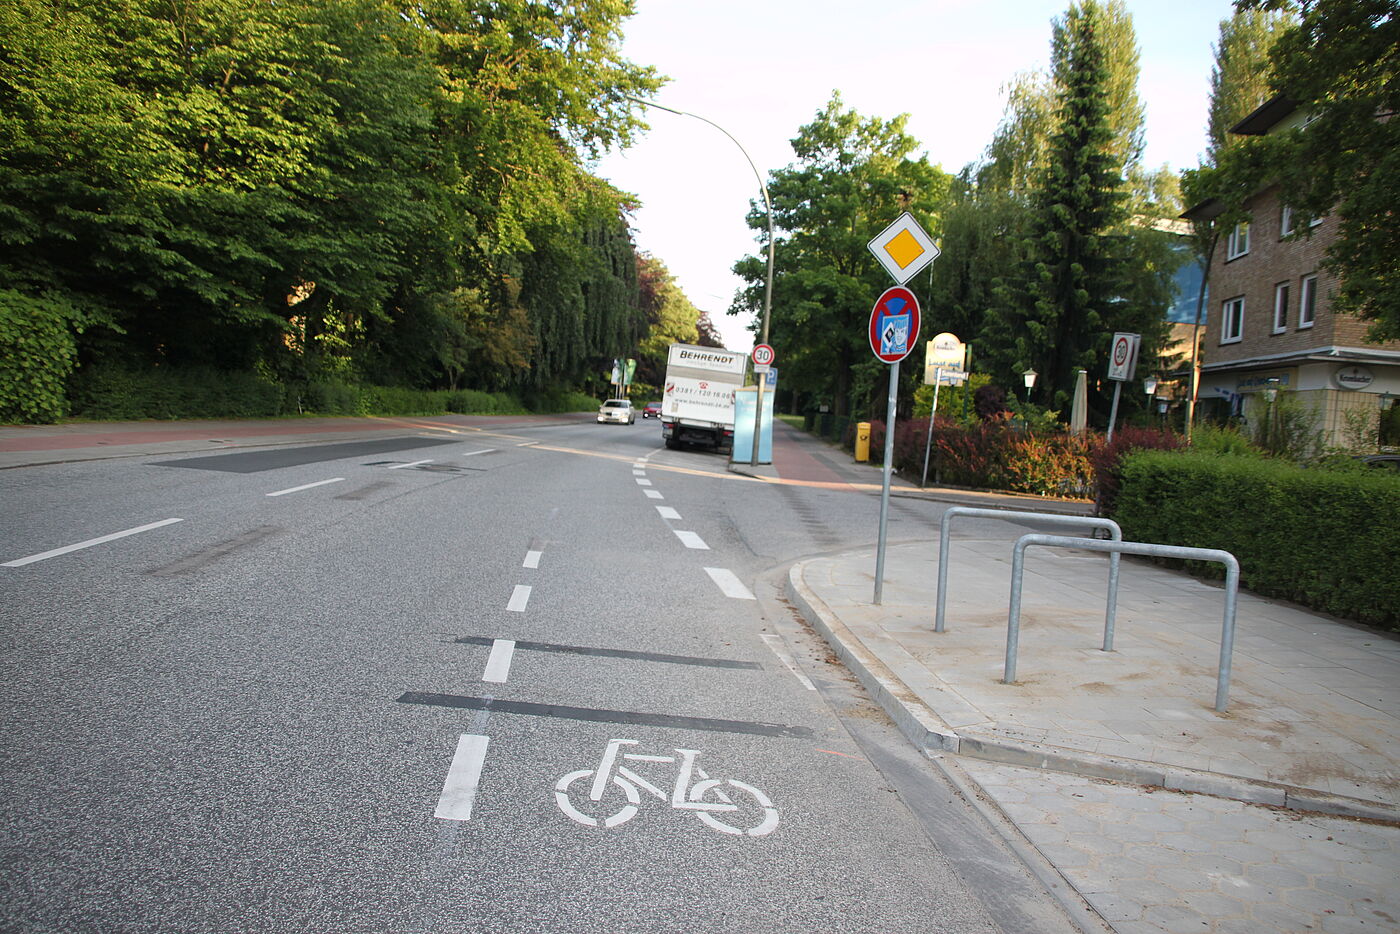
903	248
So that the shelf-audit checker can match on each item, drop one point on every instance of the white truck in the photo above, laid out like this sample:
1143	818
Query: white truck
697	406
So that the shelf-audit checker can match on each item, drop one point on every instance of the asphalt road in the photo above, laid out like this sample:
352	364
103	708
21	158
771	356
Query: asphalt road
537	678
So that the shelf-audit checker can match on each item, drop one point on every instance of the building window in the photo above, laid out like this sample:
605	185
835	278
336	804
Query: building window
1238	243
1315	221
1232	321
1281	307
1285	224
1307	302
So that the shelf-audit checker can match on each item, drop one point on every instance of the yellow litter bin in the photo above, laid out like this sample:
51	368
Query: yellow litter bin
862	441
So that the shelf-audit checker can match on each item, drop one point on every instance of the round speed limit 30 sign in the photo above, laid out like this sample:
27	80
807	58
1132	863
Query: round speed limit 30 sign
763	355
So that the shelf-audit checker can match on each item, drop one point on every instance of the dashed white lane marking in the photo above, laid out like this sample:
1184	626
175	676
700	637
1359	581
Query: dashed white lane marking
729	583
639	473
473	453
532	559
519	598
639	464
667	512
526	444
463	778
691	540
775	643
498	662
414	464
653	494
20	562
306	486
643	482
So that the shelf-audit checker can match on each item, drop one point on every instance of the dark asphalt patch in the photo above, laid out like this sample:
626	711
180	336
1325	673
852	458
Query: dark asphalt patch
594	715
617	653
258	461
192	563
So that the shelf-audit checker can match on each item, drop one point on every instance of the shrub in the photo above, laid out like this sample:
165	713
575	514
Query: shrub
1328	540
1107	458
37	352
117	393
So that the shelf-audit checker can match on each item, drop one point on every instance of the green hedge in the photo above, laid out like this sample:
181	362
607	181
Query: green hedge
112	393
1328	540
37	353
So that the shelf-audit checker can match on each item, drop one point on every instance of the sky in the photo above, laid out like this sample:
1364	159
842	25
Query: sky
762	68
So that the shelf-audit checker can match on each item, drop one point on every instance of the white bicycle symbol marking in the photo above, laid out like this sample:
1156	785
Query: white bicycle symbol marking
761	815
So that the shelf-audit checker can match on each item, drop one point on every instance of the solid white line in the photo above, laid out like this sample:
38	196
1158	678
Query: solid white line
776	644
463	778
691	540
414	464
87	544
532	559
498	662
729	583
519	598
654	494
641	482
306	486
667	512
482	451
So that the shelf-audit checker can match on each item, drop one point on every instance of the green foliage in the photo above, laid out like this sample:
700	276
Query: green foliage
1286	427
1222	439
954	402
670	316
1239	78
37	352
1328	540
115	393
853	176
323	189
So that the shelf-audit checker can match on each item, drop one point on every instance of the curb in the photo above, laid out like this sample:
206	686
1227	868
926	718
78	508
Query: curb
922	727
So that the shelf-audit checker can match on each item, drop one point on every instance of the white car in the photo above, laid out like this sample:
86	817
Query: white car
617	410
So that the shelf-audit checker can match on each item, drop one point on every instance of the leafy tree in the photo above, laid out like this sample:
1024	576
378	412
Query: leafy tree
671	318
1341	63
853	176
1239	78
1058	314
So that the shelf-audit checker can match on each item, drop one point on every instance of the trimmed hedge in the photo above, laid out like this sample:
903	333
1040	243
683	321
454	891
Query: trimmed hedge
116	394
37	352
1327	540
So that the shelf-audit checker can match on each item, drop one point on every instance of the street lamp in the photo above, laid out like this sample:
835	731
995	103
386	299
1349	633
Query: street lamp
1029	376
768	283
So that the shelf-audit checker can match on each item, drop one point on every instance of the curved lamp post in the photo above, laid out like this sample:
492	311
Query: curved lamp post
768	284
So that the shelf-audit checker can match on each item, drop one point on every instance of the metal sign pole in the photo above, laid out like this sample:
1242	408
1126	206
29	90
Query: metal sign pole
932	414
885	488
1113	412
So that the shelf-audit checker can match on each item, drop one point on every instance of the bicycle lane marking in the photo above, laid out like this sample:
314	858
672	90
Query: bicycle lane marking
498	662
775	643
463	778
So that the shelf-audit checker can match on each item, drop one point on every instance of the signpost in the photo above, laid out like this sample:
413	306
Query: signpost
945	360
1122	365
763	356
904	249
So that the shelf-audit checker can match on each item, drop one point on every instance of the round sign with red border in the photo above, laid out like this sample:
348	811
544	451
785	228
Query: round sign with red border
894	325
763	355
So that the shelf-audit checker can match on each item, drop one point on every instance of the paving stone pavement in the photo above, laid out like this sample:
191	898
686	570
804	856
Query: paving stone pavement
1281	814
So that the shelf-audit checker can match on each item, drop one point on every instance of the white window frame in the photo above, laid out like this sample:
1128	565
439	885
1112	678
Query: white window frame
1285	222
1282	293
1232	311
1237	244
1307	302
1315	221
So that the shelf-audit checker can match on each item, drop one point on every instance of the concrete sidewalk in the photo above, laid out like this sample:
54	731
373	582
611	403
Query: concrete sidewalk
1287	805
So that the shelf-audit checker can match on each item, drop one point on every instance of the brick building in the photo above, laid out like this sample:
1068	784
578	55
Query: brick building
1271	323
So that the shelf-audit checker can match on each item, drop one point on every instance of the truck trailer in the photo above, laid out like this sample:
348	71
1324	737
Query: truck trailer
697	406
